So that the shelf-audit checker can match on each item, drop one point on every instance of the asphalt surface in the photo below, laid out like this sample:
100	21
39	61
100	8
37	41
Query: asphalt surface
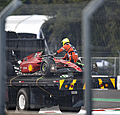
105	99
100	99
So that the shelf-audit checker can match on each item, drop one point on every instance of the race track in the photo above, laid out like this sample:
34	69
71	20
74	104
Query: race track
105	99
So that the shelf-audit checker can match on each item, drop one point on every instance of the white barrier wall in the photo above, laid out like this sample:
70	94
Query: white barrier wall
118	82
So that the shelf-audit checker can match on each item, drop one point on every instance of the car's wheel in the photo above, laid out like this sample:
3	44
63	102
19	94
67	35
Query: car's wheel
95	67
45	67
9	69
23	99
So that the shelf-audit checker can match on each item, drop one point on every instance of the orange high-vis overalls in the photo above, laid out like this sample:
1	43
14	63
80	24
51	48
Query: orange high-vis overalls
71	52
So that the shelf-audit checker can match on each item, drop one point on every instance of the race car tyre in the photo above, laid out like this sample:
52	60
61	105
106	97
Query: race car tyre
95	67
23	99
45	67
9	69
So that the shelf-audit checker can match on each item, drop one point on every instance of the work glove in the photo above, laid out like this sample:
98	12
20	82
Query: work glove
54	54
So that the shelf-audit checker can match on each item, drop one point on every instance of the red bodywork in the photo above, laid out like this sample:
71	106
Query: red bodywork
64	63
32	63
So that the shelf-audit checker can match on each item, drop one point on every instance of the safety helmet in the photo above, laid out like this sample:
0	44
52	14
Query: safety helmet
65	40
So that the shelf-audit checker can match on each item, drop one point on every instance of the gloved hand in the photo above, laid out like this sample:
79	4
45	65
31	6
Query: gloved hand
54	54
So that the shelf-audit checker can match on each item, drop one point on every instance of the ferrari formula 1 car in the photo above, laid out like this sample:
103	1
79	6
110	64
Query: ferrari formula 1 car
46	65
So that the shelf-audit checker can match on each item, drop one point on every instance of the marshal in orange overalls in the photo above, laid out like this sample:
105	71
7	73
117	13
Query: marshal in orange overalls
71	52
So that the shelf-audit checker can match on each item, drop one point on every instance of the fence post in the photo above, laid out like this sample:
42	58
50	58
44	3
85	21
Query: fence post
6	11
86	35
119	61
114	66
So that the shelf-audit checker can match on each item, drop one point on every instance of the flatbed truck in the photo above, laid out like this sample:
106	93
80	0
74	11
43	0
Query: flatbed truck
34	92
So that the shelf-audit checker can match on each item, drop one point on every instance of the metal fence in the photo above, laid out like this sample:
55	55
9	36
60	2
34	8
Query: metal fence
105	40
101	37
64	20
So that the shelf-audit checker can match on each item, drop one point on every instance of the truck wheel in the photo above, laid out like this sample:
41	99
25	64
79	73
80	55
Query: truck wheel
23	99
45	67
69	109
66	104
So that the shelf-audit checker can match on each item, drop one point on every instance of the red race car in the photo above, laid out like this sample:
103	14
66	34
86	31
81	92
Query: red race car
47	65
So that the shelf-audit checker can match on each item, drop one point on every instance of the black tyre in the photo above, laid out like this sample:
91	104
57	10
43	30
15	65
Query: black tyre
9	107
95	67
23	99
9	69
69	109
67	104
45	67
